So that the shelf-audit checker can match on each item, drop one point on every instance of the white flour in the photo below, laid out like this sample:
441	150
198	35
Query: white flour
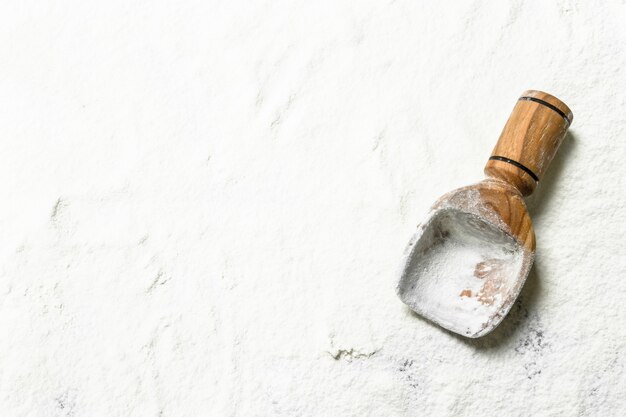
204	205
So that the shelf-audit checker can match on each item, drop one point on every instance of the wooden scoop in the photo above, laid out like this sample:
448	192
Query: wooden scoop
466	264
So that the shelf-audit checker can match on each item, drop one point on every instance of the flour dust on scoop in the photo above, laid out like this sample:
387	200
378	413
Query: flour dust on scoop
461	269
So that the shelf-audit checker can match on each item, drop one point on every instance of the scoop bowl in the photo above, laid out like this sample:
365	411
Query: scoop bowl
468	260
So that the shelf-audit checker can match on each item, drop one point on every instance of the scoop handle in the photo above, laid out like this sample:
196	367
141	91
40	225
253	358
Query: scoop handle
529	140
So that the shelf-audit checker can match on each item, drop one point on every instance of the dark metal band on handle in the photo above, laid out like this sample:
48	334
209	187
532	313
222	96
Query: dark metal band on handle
515	163
550	106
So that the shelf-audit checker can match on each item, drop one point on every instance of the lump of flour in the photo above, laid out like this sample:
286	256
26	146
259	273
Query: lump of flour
460	271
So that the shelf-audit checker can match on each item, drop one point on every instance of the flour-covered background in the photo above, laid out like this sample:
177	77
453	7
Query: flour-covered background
203	206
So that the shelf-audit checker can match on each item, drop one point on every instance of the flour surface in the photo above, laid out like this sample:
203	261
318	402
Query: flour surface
204	205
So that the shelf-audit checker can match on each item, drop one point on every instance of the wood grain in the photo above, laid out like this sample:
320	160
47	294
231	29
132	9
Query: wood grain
531	137
497	202
509	205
